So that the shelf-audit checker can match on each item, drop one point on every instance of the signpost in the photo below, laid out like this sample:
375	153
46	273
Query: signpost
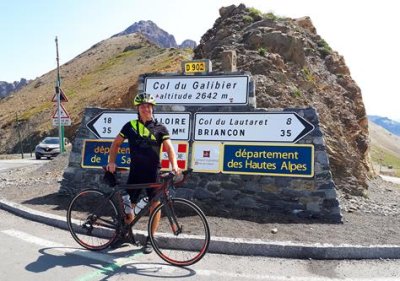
286	127
108	124
199	90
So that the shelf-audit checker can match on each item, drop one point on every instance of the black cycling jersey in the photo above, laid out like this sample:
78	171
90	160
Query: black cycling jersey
145	143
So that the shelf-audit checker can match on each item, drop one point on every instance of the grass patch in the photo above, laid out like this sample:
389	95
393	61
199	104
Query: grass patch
308	75
296	92
35	110
386	158
324	47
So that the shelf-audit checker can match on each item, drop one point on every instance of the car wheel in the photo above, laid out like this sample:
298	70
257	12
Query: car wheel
48	158
37	157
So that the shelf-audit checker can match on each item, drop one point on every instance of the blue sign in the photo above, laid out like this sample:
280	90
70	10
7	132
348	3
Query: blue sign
95	154
295	160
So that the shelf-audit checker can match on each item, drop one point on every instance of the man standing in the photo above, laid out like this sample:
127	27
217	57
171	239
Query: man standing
145	137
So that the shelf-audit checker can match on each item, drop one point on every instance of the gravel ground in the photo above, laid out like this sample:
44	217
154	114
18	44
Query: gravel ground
373	220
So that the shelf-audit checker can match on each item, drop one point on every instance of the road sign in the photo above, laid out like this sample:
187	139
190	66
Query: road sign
286	127
95	154
63	97
199	90
64	119
196	66
290	160
109	123
62	112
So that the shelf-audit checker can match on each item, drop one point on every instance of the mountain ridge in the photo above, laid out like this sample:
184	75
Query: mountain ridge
8	88
156	35
387	123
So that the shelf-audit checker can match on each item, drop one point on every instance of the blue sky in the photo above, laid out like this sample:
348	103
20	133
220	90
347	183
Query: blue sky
364	32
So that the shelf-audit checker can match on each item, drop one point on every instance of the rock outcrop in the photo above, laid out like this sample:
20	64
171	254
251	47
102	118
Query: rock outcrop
156	35
294	67
8	88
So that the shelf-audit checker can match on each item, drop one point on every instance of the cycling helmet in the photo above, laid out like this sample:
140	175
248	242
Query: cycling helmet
144	98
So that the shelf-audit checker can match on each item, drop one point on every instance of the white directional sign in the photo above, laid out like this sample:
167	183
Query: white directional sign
109	123
199	90
251	126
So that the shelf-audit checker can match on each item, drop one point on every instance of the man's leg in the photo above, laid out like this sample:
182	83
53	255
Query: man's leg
147	247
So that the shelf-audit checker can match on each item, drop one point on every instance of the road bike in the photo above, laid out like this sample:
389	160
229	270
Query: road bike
96	219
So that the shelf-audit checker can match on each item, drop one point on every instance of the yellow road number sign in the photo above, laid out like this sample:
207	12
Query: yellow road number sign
196	66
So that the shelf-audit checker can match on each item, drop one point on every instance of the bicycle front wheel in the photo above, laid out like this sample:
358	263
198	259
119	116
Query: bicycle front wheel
92	219
183	235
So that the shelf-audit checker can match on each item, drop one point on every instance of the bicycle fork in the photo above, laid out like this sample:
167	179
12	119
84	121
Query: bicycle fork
173	222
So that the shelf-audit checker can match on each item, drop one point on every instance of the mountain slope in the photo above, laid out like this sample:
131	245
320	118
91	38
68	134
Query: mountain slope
385	150
106	75
390	125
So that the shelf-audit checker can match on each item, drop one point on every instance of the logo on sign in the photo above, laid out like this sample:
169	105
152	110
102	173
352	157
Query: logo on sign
181	150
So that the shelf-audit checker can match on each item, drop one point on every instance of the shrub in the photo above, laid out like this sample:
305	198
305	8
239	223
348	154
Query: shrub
270	16
247	19
254	13
262	51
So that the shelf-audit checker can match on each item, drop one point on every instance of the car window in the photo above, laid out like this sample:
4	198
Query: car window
50	141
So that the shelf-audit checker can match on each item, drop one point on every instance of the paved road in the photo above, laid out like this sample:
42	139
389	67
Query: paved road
391	179
6	164
36	251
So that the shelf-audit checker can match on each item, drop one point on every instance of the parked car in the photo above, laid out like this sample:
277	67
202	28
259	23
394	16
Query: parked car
49	147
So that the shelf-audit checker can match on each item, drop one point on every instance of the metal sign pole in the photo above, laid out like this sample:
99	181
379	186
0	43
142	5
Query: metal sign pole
58	92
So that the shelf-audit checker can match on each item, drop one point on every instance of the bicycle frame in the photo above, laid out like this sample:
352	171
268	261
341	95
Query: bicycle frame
162	195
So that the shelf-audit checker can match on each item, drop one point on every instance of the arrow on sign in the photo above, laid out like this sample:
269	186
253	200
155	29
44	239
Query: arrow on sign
251	126
108	124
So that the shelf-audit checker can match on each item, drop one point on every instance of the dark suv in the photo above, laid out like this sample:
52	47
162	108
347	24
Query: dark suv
49	147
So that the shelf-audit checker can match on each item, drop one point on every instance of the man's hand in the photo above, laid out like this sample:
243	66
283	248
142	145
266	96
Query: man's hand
111	167
176	170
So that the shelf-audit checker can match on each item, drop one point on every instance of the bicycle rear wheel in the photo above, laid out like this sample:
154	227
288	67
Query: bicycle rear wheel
183	235
92	219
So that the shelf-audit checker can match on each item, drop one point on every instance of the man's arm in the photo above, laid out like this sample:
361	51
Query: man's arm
171	156
113	153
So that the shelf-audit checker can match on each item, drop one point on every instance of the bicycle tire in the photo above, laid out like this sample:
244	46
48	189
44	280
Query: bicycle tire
191	244
93	219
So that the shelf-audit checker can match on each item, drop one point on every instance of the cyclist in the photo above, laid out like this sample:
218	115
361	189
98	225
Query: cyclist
145	136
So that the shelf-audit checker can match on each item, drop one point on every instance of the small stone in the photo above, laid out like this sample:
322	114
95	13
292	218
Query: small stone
274	230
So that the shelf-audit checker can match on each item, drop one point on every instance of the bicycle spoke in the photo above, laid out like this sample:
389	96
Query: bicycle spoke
92	220
183	234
